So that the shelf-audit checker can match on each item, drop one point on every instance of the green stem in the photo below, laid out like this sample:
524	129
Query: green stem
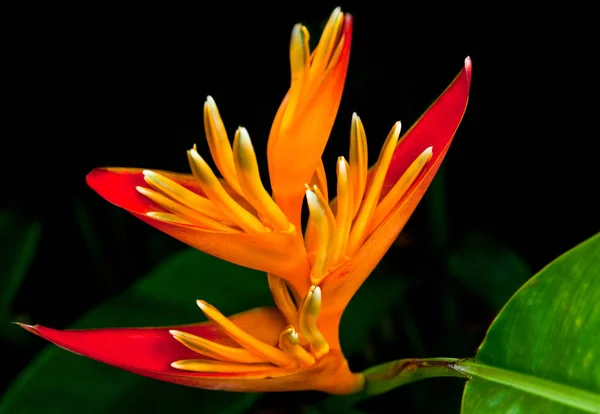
384	377
564	394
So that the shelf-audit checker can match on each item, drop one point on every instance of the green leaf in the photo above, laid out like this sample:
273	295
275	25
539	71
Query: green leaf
542	353
488	269
57	381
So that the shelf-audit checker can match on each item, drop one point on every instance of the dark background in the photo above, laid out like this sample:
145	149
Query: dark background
125	87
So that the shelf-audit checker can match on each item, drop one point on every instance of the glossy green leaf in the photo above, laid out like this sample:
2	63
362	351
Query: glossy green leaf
489	269
166	296
542	353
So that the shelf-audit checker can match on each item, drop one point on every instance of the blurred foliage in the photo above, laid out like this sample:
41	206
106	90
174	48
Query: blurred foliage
157	299
539	355
19	239
488	269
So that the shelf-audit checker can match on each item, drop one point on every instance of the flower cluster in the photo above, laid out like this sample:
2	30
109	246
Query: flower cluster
230	214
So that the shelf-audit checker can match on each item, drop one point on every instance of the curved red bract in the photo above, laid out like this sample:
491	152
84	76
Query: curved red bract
150	351
118	186
435	128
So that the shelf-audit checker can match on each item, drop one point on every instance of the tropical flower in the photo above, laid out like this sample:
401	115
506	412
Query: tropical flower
312	276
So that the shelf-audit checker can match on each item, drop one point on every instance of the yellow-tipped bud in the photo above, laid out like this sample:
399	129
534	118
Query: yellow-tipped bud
180	210
307	322
367	208
343	218
327	44
251	184
214	350
262	350
300	67
359	163
400	188
182	195
319	215
214	190
288	342
218	142
204	365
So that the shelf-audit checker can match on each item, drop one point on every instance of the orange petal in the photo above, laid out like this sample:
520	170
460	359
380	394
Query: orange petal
300	141
274	252
435	129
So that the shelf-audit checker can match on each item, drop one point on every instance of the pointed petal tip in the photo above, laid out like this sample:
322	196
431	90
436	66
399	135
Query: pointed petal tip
93	177
348	19
468	67
397	127
347	30
243	133
118	185
31	328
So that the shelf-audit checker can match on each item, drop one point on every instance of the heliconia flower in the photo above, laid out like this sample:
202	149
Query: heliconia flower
312	276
